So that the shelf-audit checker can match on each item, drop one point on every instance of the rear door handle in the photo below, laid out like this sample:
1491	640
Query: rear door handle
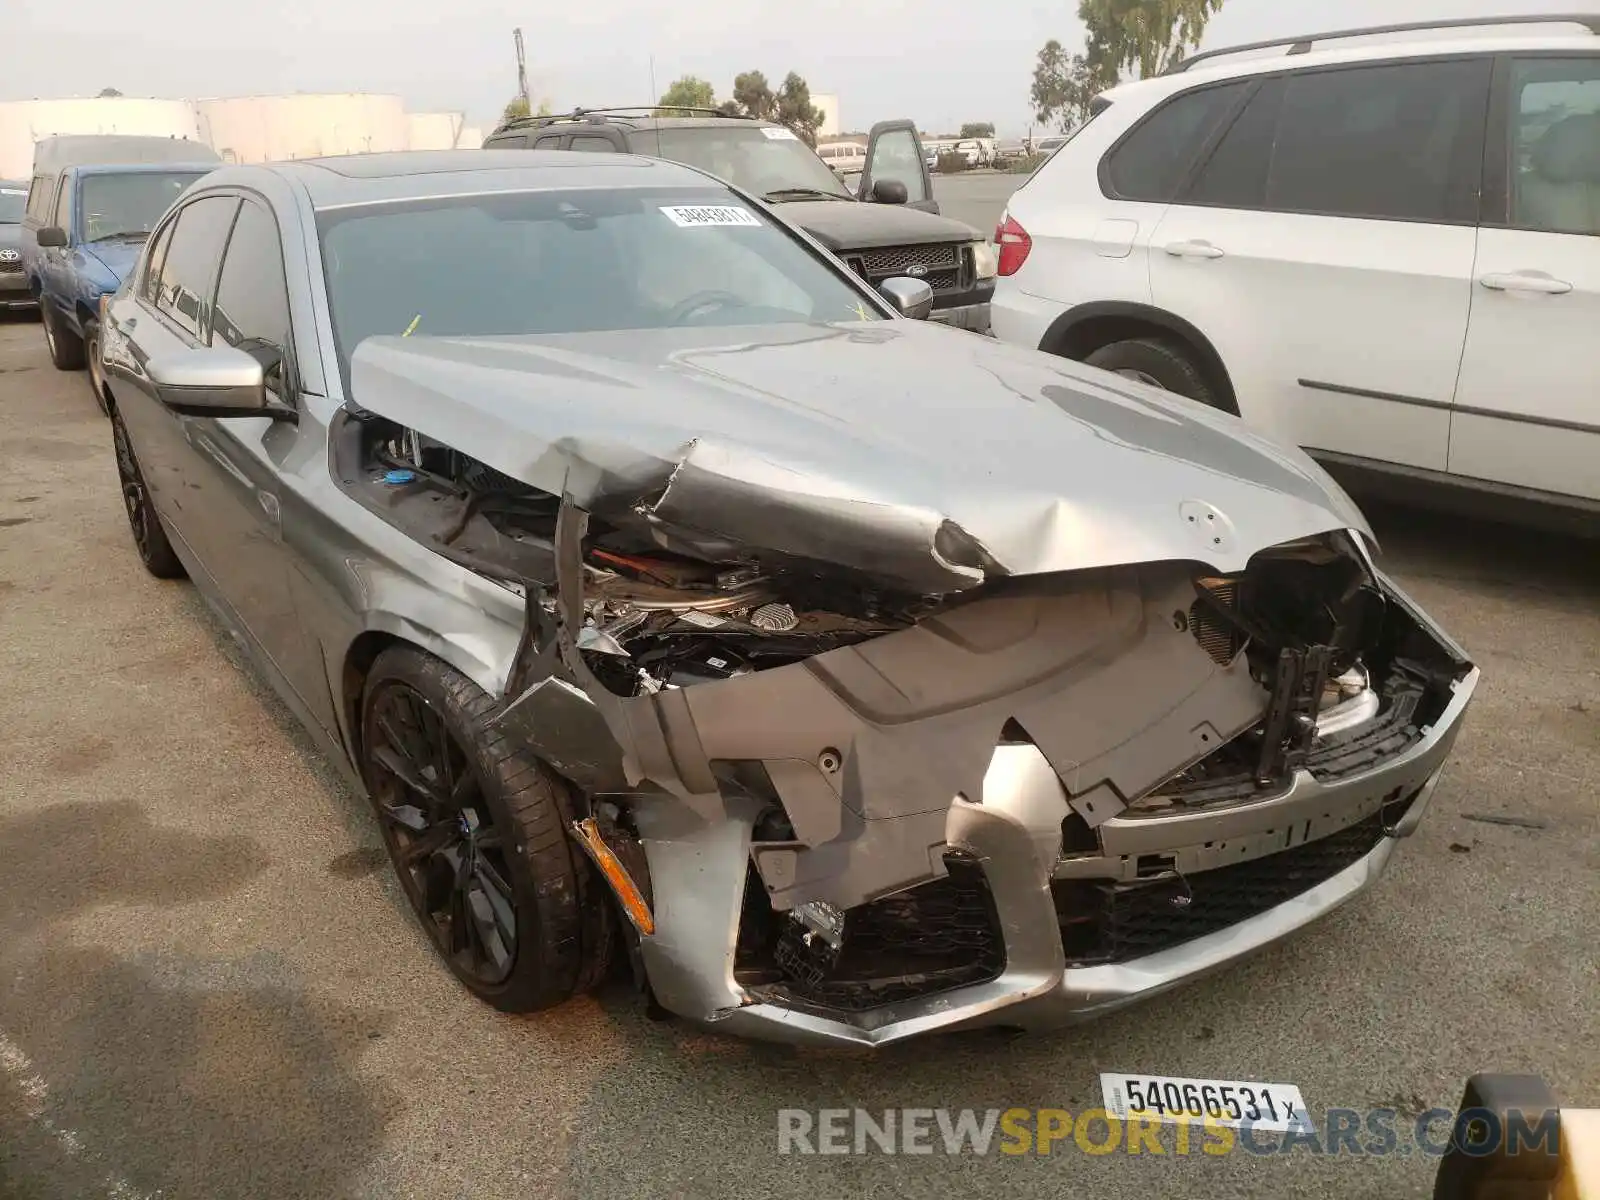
1193	249
1526	281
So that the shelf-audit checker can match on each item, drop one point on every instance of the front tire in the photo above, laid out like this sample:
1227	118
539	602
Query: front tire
66	347
1156	362
477	830
149	537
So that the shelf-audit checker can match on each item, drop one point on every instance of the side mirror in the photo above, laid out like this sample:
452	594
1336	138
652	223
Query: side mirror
911	297
213	381
889	191
52	237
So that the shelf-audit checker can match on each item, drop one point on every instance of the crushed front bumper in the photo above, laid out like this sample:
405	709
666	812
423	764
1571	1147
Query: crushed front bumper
1343	829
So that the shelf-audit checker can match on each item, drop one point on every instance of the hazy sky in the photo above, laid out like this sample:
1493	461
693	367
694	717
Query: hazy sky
938	61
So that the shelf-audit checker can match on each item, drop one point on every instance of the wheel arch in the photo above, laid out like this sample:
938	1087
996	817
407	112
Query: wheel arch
1082	330
385	630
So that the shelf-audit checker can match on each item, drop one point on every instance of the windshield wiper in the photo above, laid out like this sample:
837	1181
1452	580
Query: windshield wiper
778	195
126	233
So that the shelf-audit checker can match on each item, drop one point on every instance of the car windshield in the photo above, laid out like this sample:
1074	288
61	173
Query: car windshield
767	160
128	206
13	202
570	262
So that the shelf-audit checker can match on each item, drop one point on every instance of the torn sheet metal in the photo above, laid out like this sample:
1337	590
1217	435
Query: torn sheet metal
880	451
869	745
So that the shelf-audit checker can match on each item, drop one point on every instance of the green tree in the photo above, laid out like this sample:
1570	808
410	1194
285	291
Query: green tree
1064	85
977	129
754	97
794	108
1150	36
517	108
689	92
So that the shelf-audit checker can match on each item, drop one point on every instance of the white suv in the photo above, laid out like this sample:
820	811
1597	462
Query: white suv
1389	255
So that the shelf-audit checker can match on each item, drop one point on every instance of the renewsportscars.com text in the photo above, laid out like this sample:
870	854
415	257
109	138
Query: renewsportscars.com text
1378	1132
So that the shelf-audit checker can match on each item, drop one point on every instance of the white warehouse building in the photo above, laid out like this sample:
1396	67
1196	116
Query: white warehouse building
24	122
242	129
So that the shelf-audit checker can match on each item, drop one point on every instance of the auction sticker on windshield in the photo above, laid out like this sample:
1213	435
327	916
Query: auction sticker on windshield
1266	1106
777	133
689	216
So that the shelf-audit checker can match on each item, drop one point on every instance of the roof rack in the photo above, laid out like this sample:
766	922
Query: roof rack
1303	44
622	110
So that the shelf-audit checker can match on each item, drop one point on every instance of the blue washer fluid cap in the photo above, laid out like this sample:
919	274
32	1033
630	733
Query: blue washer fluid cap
397	477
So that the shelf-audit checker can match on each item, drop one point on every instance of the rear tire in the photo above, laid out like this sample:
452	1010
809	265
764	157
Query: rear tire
66	347
472	821
1156	362
149	537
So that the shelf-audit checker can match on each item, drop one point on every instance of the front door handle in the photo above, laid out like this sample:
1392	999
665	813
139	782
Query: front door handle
1526	281
1198	248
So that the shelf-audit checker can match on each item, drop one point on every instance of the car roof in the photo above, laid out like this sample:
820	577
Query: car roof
1266	61
53	154
422	174
571	124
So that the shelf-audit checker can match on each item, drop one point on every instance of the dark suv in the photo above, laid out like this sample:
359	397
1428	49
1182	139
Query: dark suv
893	229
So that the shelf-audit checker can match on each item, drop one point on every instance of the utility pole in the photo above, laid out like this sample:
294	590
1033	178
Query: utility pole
522	70
653	92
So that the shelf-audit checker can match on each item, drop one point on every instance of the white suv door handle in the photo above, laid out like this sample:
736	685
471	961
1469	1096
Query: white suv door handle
1193	249
1526	281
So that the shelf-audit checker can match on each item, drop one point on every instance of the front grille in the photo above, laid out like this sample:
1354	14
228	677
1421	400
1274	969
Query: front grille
11	268
1108	922
896	260
932	938
945	268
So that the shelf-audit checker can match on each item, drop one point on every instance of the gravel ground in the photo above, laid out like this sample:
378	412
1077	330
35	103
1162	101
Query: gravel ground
209	986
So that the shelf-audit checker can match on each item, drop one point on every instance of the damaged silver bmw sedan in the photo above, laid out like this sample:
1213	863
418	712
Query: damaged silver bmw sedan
682	606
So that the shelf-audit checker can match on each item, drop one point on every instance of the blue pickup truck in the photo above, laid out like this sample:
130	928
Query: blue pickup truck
92	204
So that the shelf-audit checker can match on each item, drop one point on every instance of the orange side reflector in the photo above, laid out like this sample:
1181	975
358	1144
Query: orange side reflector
627	892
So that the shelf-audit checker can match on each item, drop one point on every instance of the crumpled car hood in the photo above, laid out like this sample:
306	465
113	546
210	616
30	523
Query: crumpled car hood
921	456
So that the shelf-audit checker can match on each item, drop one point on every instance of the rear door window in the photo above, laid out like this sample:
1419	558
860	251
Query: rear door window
1152	162
189	269
41	197
1235	176
1397	141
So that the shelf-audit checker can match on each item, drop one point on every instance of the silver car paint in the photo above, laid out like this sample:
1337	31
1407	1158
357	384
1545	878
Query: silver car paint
306	576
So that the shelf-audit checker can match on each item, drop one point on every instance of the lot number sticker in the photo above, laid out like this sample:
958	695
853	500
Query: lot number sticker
779	134
1271	1107
690	216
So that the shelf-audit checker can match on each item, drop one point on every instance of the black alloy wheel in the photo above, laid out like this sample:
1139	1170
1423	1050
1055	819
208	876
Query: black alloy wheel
149	538
477	830
442	835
